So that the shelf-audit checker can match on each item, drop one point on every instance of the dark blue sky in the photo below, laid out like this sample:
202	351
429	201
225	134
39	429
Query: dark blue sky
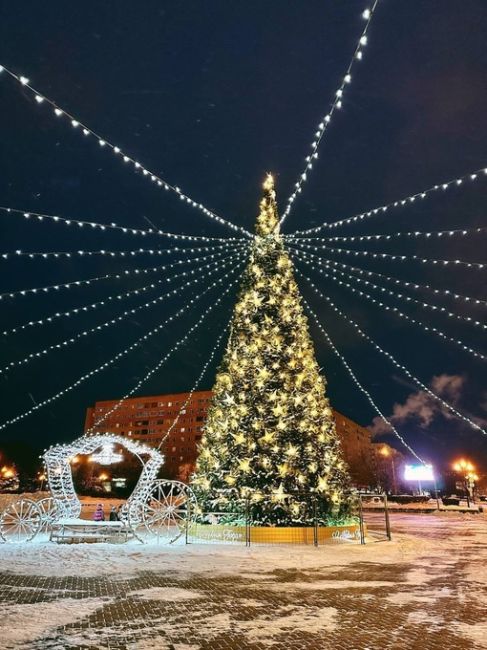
211	96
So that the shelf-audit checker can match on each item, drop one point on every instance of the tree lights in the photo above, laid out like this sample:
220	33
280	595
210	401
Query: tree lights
120	296
93	225
335	105
394	361
98	328
357	382
175	347
383	290
270	431
140	341
402	315
75	123
441	187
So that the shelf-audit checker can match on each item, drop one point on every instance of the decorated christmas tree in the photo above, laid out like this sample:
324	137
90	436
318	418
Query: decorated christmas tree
270	437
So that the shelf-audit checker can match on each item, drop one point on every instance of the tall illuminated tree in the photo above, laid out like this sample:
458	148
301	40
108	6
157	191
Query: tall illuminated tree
270	433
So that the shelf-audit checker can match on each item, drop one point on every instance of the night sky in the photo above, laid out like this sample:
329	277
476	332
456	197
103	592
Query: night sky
211	95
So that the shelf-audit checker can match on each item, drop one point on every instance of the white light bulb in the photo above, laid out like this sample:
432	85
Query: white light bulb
24	81
366	14
58	112
39	99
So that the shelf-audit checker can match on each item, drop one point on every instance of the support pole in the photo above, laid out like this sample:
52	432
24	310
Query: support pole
315	523
386	514
361	520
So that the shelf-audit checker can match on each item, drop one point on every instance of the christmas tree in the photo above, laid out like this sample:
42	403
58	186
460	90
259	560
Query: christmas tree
270	435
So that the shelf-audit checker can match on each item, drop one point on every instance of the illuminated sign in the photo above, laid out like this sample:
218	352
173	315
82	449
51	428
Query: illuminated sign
419	473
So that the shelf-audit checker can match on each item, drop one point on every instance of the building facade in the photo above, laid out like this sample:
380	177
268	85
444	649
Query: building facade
149	419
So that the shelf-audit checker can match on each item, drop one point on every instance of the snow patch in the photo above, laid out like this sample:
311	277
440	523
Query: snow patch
476	633
26	622
169	594
314	620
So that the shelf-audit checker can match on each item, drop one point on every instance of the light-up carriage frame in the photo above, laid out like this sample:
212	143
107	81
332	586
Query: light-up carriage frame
159	508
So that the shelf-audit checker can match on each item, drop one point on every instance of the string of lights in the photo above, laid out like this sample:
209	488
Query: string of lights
182	408
400	296
51	218
357	382
335	105
122	353
69	285
409	285
58	287
117	151
125	314
195	385
119	296
445	234
389	356
396	258
109	253
155	368
400	314
455	182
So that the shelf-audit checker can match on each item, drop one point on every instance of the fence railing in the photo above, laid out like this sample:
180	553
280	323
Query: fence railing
378	523
249	525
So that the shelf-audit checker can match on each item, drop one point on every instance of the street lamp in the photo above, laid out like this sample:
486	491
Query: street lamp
467	470
386	452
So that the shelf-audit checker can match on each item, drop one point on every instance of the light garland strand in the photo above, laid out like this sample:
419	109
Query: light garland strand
463	232
119	296
403	283
357	382
455	182
336	105
400	296
400	314
57	287
396	258
120	354
389	356
176	419
69	285
40	216
108	253
104	143
195	385
98	328
164	359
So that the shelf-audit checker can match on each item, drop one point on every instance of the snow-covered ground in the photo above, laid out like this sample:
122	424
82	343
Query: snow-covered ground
425	589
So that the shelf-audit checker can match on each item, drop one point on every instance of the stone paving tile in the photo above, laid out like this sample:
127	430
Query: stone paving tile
378	607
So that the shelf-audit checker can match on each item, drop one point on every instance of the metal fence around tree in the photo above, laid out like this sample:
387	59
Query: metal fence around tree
246	523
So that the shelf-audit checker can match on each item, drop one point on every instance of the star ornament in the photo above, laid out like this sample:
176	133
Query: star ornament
279	494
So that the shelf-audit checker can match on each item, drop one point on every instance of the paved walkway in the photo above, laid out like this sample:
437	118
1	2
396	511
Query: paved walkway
435	598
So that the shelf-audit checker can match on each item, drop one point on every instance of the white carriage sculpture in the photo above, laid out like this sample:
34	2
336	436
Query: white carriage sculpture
157	509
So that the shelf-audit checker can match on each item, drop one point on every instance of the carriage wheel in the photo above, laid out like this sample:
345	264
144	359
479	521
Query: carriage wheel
20	521
170	507
48	510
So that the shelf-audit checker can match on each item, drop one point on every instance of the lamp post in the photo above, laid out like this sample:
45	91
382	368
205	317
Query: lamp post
385	451
467	471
